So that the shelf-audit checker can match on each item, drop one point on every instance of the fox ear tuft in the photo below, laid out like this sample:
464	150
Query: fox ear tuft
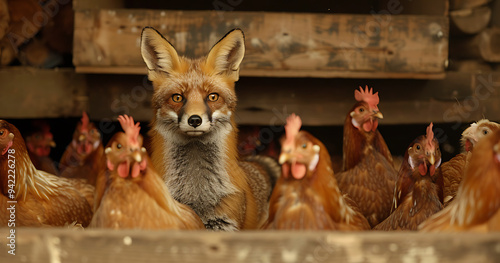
226	55
157	52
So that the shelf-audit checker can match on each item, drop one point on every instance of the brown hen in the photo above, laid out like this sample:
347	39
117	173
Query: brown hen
306	196
418	193
40	198
134	195
368	173
39	143
83	156
476	206
453	170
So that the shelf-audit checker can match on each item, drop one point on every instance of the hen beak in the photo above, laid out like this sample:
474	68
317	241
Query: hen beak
11	136
284	157
378	114
52	144
432	159
136	155
81	137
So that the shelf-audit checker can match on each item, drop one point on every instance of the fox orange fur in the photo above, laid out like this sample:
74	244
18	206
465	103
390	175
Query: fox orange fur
194	135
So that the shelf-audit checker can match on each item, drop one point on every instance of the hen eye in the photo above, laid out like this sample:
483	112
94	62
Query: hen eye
304	145
1	133
213	97
485	132
119	146
361	109
418	147
177	98
91	131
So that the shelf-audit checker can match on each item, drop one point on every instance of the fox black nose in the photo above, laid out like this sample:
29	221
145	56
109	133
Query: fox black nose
194	121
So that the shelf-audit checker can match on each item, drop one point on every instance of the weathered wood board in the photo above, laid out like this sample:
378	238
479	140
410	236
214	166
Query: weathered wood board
469	21
470	66
277	44
484	46
462	4
421	7
394	7
495	16
63	245
97	4
36	93
268	101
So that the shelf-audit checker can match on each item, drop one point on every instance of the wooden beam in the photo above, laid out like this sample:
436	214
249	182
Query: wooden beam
97	4
470	66
37	93
462	4
495	17
277	44
276	73
267	101
111	246
410	7
485	46
4	17
469	21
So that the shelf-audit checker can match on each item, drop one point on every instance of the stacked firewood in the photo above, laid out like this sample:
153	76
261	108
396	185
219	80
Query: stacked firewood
36	33
474	35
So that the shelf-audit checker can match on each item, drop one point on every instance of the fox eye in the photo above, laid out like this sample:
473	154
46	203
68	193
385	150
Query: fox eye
177	98
213	97
119	146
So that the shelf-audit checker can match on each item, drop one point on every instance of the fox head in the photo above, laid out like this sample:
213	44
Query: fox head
193	97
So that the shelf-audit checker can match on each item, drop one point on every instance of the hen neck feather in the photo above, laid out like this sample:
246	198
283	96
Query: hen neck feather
356	144
28	178
477	197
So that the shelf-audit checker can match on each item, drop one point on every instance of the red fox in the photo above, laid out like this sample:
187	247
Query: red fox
194	135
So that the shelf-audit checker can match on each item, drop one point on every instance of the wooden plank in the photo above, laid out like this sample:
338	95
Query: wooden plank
495	17
470	66
4	17
462	4
421	7
409	7
36	93
316	45
267	101
276	73
487	99
485	46
97	4
469	21
62	245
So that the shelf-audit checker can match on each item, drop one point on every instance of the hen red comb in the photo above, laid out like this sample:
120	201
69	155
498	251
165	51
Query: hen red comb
292	127
429	137
131	130
367	96
85	121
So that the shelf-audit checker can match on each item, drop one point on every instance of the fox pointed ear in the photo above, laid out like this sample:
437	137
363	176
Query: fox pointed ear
225	57
157	52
